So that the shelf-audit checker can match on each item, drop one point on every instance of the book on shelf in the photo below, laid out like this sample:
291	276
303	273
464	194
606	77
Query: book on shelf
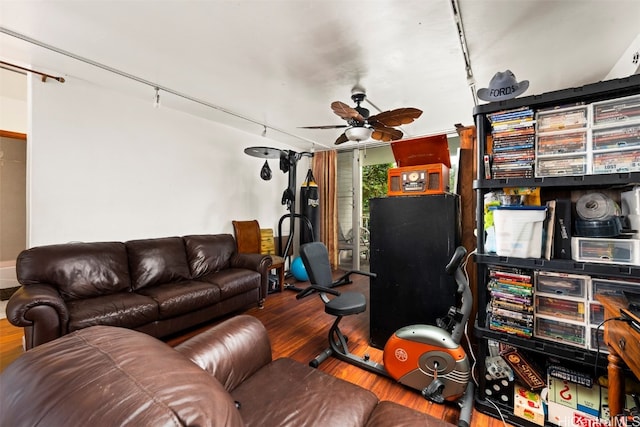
549	228
562	234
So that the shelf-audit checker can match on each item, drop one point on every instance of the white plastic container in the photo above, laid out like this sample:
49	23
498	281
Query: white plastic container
631	201
607	251
519	230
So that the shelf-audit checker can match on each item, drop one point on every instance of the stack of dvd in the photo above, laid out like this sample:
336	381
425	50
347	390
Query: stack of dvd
511	306
513	135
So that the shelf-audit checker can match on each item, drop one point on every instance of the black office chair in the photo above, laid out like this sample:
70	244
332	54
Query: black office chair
316	261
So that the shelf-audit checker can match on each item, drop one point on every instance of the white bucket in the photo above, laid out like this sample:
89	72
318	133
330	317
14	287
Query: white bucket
519	230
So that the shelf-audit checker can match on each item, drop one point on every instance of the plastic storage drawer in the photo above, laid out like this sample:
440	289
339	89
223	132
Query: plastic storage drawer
561	119
560	332
561	308
616	137
608	251
562	142
596	313
562	284
616	111
561	166
616	161
611	287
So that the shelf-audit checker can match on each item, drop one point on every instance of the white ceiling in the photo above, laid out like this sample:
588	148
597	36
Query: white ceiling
283	62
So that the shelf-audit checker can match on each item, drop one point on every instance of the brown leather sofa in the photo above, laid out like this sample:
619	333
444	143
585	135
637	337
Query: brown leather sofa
224	376
157	286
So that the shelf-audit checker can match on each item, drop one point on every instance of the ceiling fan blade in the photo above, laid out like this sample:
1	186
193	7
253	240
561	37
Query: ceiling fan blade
341	139
345	112
324	127
397	117
385	134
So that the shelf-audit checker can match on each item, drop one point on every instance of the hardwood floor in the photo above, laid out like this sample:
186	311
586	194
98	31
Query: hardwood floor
10	343
298	329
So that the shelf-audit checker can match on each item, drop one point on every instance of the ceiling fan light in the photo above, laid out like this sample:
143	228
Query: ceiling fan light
359	133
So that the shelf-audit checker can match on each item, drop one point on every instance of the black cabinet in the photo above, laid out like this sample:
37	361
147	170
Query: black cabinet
412	240
551	188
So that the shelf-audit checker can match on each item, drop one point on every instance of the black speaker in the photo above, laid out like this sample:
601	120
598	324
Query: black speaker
412	240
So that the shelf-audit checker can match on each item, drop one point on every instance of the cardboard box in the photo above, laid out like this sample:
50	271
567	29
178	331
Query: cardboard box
570	404
528	405
564	416
267	241
589	400
563	392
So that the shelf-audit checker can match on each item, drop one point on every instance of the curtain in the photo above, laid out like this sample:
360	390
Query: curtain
324	168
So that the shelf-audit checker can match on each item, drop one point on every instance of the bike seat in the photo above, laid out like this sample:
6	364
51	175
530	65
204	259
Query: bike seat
345	304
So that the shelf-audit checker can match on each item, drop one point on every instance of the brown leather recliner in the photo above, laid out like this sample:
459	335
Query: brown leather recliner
225	376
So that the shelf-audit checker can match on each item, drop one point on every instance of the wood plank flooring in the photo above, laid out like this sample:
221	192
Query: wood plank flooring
298	329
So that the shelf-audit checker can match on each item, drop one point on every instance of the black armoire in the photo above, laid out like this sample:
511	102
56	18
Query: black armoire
412	240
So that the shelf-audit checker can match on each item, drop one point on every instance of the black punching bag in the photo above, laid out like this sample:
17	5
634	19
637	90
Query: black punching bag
310	209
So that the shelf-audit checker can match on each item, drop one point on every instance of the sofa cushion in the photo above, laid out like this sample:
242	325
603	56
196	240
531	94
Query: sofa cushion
287	392
178	298
157	261
77	270
208	253
125	309
234	281
111	376
391	414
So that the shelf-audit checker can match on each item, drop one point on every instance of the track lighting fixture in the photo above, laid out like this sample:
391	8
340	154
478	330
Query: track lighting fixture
156	99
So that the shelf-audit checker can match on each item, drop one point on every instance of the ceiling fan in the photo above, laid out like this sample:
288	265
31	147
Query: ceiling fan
360	125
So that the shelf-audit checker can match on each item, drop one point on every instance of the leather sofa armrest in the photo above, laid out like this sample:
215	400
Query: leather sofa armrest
256	262
231	351
41	311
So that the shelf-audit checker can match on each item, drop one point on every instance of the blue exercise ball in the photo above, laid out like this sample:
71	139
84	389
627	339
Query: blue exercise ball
298	270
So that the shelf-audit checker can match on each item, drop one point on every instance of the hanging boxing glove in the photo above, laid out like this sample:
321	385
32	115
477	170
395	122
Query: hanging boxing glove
285	162
287	198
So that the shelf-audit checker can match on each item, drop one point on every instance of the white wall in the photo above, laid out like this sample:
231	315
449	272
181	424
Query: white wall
105	166
13	101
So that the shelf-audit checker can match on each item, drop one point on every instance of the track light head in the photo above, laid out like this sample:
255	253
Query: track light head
156	98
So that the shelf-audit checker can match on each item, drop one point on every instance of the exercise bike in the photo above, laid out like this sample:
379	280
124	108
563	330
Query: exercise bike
426	358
